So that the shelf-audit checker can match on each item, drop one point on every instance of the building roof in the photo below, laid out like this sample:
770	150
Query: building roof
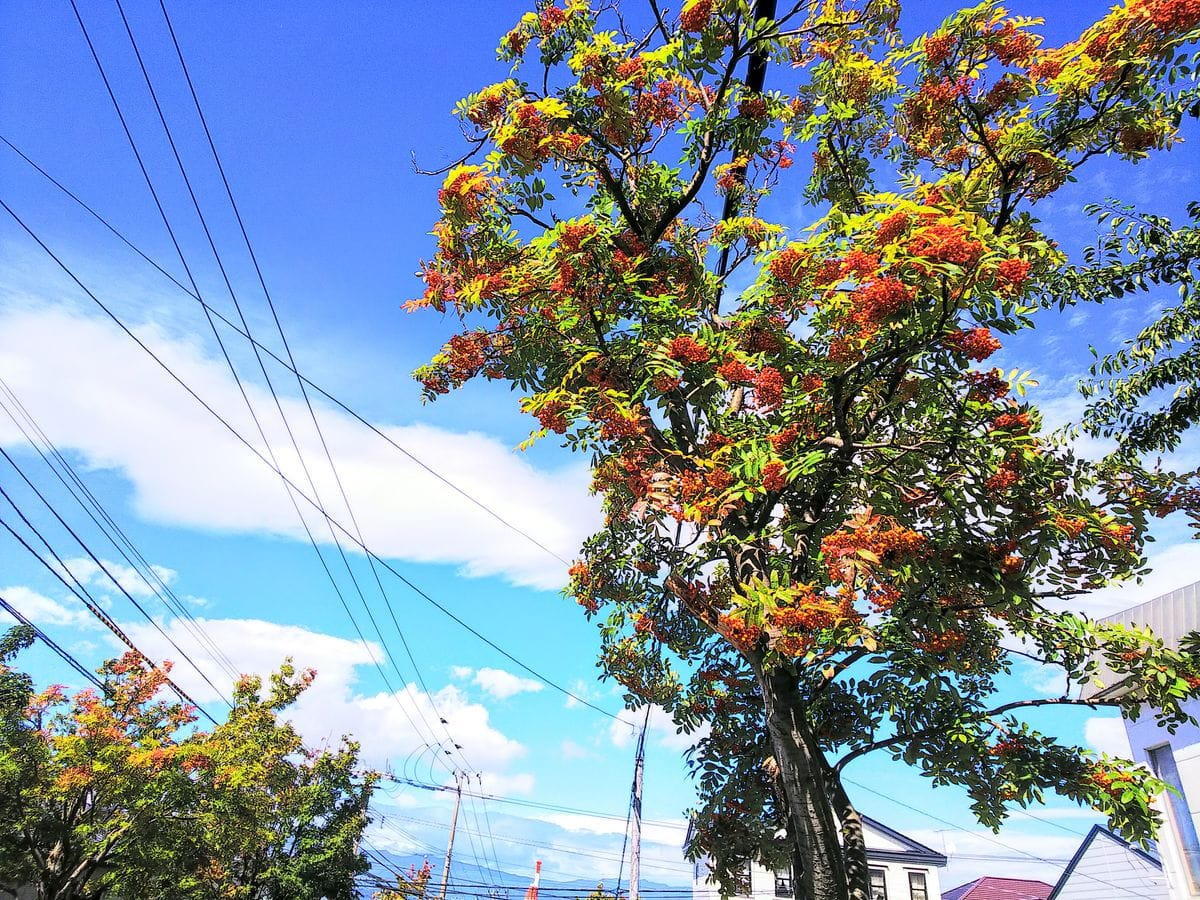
902	848
910	850
992	888
1170	617
1107	884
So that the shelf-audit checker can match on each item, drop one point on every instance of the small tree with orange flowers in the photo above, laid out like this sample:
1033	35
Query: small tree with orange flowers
111	792
830	526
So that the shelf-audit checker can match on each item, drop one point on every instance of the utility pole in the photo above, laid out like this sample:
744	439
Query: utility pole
635	852
450	844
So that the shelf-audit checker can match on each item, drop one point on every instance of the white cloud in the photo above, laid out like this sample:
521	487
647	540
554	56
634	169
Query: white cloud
41	610
394	729
1172	567
502	685
669	833
662	729
1107	735
126	578
517	784
1044	679
587	690
186	470
571	750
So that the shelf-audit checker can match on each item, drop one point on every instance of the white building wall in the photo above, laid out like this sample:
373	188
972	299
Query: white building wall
762	882
896	877
1187	761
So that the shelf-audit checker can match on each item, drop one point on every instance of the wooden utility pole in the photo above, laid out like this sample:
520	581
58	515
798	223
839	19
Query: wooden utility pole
450	844
635	853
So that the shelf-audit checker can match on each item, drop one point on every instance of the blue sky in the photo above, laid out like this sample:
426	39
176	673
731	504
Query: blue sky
317	109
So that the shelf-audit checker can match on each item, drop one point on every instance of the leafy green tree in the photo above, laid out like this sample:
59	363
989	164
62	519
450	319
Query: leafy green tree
115	794
18	764
98	804
1146	395
281	820
100	797
826	523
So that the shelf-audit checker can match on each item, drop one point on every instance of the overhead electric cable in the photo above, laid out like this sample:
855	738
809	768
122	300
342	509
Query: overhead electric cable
289	486
488	819
95	559
245	325
246	237
94	609
552	807
108	526
658	862
400	448
49	642
291	365
208	407
275	397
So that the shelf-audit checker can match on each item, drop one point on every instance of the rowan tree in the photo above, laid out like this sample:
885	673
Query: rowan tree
830	527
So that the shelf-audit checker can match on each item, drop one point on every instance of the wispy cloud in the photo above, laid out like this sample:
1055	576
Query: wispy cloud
126	415
392	727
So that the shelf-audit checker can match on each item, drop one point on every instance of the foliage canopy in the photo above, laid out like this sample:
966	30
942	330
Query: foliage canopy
830	527
115	793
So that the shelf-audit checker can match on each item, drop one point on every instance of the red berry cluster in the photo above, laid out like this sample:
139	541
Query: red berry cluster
977	344
687	350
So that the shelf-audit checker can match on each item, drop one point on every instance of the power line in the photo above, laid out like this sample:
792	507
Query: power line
658	862
552	807
288	487
287	347
366	423
49	642
108	526
258	356
89	602
302	379
324	393
95	559
225	423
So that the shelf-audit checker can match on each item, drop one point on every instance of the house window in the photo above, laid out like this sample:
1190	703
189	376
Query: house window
878	884
916	886
741	879
1162	760
783	884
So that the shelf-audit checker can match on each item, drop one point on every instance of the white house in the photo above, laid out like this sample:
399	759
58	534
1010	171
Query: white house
1175	758
901	869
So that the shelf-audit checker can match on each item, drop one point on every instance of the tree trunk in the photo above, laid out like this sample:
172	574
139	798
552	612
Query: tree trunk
854	847
802	771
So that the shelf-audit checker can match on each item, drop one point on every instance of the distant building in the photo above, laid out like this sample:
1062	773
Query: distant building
992	888
900	868
1175	758
1107	868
